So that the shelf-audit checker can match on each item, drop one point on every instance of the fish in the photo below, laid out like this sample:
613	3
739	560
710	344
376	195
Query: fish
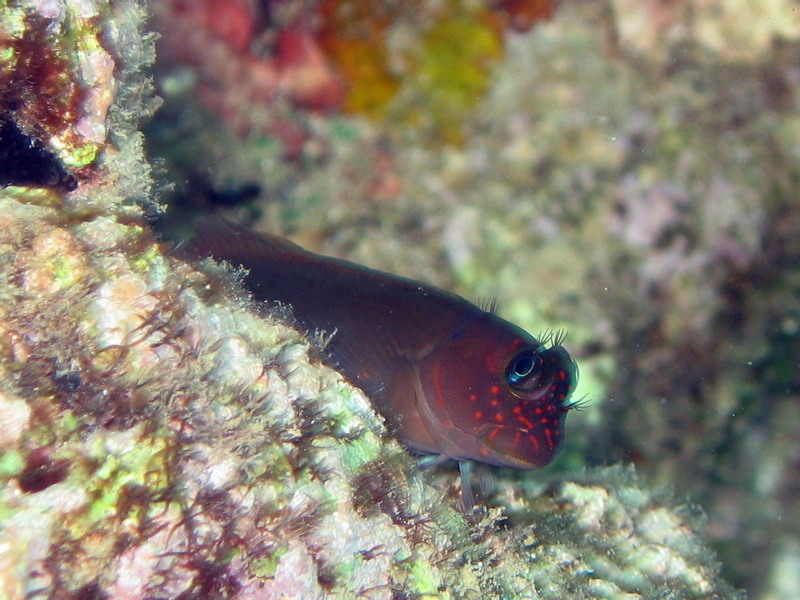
451	378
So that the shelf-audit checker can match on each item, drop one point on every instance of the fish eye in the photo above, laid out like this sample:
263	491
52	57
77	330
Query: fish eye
521	368
525	373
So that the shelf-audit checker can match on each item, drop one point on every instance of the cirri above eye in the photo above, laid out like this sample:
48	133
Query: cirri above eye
526	373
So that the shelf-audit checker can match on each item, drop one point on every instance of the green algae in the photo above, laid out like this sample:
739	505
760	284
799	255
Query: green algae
11	464
452	72
140	464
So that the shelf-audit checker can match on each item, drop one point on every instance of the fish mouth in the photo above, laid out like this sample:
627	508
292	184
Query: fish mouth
499	449
509	460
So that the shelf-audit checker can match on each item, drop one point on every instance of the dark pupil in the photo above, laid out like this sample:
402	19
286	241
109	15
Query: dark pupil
523	366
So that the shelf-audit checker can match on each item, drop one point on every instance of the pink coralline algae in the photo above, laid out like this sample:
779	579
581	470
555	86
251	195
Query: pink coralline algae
217	37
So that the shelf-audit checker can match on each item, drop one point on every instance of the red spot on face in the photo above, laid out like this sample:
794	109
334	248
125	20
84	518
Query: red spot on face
517	409
499	417
473	397
494	389
478	415
526	422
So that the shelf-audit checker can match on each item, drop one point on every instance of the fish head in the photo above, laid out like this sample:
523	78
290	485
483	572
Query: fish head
495	394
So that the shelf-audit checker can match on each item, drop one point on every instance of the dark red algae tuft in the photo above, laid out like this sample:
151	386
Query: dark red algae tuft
37	85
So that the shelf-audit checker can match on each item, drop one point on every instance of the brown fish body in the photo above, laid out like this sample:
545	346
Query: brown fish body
450	378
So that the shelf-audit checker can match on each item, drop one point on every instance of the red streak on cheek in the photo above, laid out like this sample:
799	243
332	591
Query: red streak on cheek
548	433
535	442
437	385
525	422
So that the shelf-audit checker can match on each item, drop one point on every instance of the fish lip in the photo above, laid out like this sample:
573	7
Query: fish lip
514	462
501	458
509	460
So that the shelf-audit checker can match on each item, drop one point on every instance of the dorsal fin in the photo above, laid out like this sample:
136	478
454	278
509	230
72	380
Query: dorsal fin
224	239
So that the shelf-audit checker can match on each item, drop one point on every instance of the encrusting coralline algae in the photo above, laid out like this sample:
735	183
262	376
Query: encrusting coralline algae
163	438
